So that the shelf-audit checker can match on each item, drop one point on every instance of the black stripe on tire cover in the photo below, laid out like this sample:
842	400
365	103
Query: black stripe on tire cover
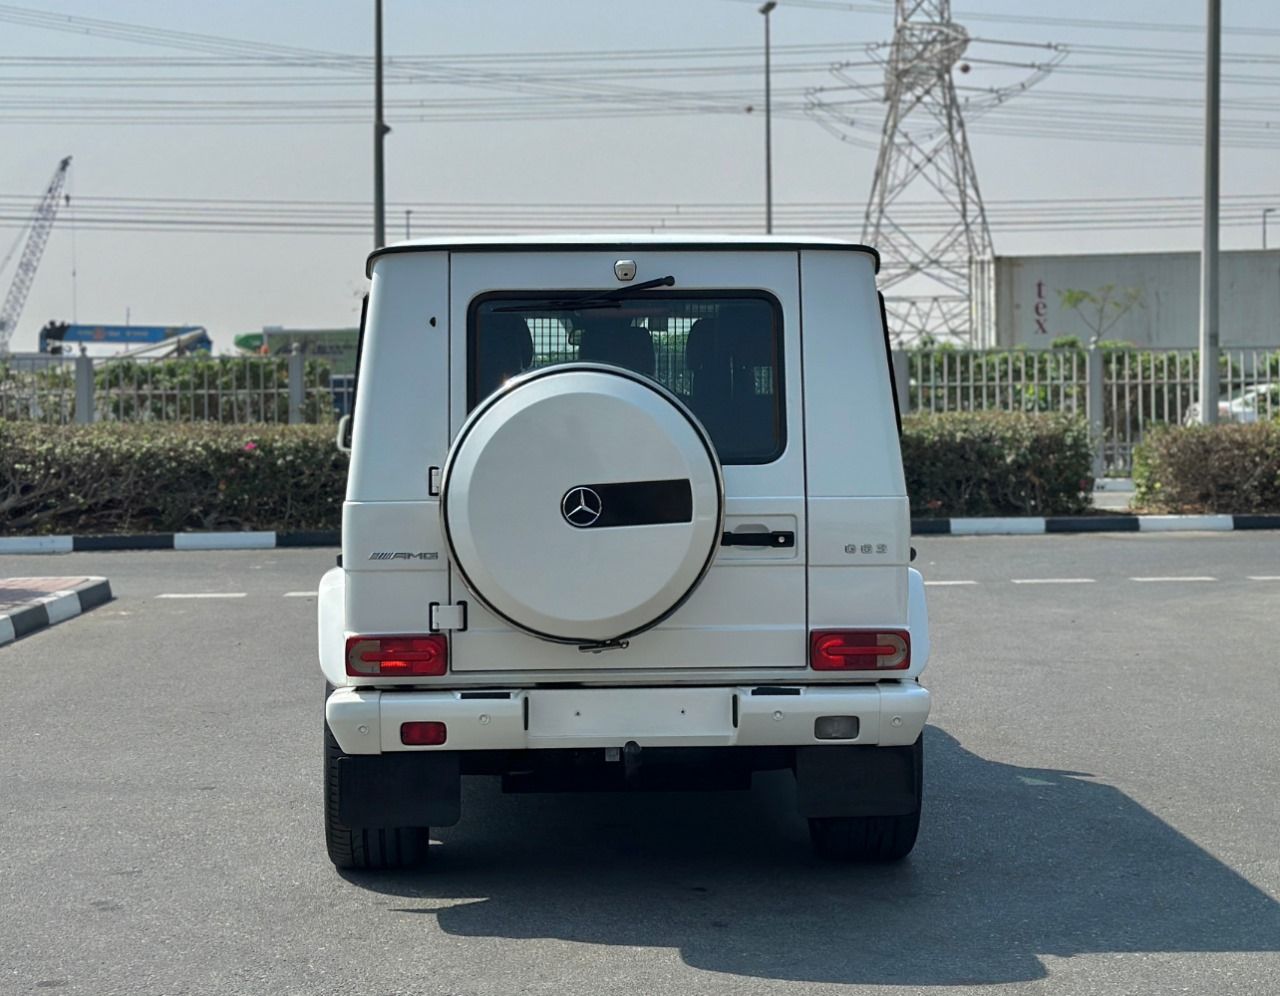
642	503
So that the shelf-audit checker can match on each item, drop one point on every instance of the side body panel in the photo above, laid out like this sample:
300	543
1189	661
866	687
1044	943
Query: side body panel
857	509
392	549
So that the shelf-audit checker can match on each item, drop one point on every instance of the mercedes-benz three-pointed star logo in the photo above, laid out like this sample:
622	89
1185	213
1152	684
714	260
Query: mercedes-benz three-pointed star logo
581	507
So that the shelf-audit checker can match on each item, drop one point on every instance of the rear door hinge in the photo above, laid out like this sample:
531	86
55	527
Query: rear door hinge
442	617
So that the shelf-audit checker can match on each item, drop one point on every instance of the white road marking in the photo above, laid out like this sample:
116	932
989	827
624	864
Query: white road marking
299	594
1264	577
203	594
1053	580
1188	578
947	583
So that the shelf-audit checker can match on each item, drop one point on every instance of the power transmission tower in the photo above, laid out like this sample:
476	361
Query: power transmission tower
29	261
928	274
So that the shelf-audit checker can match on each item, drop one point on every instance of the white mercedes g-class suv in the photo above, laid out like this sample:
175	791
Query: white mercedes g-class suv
623	513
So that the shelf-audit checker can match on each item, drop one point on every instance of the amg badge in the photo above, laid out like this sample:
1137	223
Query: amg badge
428	555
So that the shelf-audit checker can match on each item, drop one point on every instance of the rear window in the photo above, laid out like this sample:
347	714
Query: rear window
720	353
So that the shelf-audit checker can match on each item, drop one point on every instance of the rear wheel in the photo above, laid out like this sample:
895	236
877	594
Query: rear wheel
871	838
368	848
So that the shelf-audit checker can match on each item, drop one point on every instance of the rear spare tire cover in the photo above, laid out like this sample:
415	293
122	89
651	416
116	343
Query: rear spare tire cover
582	503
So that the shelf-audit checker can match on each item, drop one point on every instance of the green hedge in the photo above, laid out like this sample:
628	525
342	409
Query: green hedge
997	463
1226	469
114	477
121	477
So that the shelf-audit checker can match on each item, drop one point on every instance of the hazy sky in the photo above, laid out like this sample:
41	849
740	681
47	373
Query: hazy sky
621	151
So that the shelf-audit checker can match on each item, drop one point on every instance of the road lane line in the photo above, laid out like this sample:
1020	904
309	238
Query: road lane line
1053	580
203	594
947	583
1264	577
299	594
1189	578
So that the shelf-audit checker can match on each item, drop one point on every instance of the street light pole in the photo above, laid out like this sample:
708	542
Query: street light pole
767	9
1265	212
1209	254
380	130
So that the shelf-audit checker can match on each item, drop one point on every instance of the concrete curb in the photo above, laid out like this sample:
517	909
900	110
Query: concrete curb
169	541
1030	525
48	610
994	526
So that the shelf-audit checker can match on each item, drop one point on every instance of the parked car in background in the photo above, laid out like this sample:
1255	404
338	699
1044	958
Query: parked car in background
1261	401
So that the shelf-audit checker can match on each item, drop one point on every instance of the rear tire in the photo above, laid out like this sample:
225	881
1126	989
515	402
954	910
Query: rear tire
871	838
369	848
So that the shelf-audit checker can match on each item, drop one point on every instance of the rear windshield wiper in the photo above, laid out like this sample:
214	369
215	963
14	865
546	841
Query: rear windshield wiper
592	299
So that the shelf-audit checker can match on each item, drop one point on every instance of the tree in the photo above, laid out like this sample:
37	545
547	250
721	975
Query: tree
1100	310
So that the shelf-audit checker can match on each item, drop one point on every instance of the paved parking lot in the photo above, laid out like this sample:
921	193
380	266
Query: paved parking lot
1103	792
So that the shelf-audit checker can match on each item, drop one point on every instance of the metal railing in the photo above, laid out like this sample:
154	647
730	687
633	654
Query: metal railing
1122	392
235	389
38	388
967	380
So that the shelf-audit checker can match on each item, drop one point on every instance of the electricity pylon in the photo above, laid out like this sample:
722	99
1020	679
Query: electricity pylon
924	155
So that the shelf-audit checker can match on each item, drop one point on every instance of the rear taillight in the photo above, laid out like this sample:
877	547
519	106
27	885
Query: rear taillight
860	650
393	656
423	734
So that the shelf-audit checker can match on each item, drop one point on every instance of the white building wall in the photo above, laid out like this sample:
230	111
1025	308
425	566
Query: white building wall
1029	311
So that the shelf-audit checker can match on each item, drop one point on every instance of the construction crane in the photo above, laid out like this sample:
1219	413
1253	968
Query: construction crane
37	236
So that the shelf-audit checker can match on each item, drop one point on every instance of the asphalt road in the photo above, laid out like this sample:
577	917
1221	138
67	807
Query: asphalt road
1103	793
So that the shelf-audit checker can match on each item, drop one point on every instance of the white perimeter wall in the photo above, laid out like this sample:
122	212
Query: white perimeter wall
1029	312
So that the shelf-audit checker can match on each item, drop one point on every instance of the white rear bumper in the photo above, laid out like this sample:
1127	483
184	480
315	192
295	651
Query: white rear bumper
367	721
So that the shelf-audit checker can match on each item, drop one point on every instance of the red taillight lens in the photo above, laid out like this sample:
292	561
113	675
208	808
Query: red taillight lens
392	656
423	734
860	650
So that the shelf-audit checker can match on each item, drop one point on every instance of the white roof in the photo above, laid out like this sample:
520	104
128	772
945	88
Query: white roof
625	238
617	241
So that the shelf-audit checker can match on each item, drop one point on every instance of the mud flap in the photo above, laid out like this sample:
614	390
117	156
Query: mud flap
857	781
418	789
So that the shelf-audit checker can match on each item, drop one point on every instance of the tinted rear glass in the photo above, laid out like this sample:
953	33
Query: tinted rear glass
719	353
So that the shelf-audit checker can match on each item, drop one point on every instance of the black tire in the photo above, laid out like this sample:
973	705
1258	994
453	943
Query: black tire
368	849
871	838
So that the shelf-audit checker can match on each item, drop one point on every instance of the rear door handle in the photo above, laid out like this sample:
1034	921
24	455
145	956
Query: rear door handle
778	539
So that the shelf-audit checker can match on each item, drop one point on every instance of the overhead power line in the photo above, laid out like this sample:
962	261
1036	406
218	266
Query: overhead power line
274	85
327	218
1035	19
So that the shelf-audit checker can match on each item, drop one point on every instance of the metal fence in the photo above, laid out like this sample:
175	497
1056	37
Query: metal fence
238	390
1121	391
38	388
